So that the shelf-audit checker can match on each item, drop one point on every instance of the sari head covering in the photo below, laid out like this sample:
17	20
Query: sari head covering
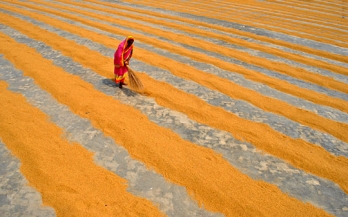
122	54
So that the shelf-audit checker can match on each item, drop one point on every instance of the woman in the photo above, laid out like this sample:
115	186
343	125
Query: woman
121	60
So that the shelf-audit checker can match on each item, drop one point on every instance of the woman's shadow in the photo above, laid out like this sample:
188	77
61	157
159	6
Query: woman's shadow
111	83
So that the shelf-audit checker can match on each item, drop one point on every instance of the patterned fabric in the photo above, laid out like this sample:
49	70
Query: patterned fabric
122	54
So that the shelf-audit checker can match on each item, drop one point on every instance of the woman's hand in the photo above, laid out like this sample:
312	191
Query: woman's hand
126	63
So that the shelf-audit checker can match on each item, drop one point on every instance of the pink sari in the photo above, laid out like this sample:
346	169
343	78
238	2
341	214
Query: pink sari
122	54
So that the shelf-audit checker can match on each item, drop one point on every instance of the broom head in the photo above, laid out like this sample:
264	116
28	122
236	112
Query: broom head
134	81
